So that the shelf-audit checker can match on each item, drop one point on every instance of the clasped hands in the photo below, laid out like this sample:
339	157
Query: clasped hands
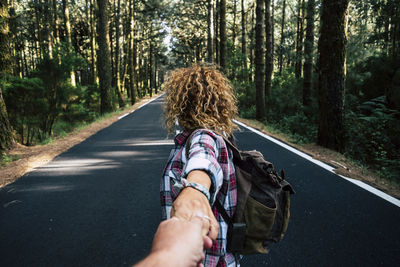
181	240
191	201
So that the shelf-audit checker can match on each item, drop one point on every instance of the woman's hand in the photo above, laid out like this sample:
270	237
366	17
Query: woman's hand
190	201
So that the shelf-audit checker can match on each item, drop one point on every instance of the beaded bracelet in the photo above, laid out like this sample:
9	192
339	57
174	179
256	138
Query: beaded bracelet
198	187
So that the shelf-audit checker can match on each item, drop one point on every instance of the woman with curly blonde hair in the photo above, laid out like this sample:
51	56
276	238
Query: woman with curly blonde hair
200	170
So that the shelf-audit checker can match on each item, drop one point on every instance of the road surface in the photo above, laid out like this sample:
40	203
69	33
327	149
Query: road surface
97	204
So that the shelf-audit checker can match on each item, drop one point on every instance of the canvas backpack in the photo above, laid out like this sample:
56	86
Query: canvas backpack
263	203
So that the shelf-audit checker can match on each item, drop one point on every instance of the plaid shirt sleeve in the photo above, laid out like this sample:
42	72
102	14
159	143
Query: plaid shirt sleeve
203	155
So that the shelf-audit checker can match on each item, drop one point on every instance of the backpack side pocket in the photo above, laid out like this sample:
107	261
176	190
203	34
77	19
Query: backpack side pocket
259	220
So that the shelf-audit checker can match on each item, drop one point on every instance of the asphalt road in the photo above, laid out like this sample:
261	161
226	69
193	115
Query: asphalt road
98	205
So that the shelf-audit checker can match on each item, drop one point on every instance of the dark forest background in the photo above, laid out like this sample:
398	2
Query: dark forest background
319	71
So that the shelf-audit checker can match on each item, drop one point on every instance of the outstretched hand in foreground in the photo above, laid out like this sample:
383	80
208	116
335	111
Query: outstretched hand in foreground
178	243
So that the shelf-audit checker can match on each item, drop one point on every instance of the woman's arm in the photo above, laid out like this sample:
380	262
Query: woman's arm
191	200
202	168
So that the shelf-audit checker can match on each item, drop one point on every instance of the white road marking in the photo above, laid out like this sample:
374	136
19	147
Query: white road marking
324	165
120	117
157	143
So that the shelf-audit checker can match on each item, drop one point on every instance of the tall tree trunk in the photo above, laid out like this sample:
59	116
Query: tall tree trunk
110	36
150	67
55	23
259	60
39	44
103	57
222	32
251	37
132	57
93	43
47	32
299	38
6	136
67	25
280	59
210	31
216	24
332	51
117	82
269	55
234	30
273	26
244	47
308	53
117	77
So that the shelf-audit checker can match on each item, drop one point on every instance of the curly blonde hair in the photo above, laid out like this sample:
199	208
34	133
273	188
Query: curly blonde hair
199	97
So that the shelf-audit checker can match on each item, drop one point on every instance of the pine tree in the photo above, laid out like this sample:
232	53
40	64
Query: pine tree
308	53
222	34
332	51
259	60
104	58
269	53
6	136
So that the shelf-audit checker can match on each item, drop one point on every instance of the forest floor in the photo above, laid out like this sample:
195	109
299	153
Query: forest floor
30	157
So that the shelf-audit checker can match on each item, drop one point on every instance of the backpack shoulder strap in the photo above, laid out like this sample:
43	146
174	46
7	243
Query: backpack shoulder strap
223	213
235	150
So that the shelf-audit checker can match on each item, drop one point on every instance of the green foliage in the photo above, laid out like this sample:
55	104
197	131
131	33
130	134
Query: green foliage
374	140
245	94
235	63
47	102
26	105
286	95
372	114
4	158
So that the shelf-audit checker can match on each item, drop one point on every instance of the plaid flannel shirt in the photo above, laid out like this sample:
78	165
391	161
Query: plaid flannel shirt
209	153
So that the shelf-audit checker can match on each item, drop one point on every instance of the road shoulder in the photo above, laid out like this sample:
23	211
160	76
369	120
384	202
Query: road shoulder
31	157
342	165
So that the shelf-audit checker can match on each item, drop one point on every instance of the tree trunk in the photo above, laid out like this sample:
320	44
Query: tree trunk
216	25
234	32
280	59
259	60
244	48
222	33
67	26
103	57
6	136
49	27
55	23
132	57
117	77
210	31
299	38
332	51
308	53
269	55
273	26
117	82
150	67
93	43
251	37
